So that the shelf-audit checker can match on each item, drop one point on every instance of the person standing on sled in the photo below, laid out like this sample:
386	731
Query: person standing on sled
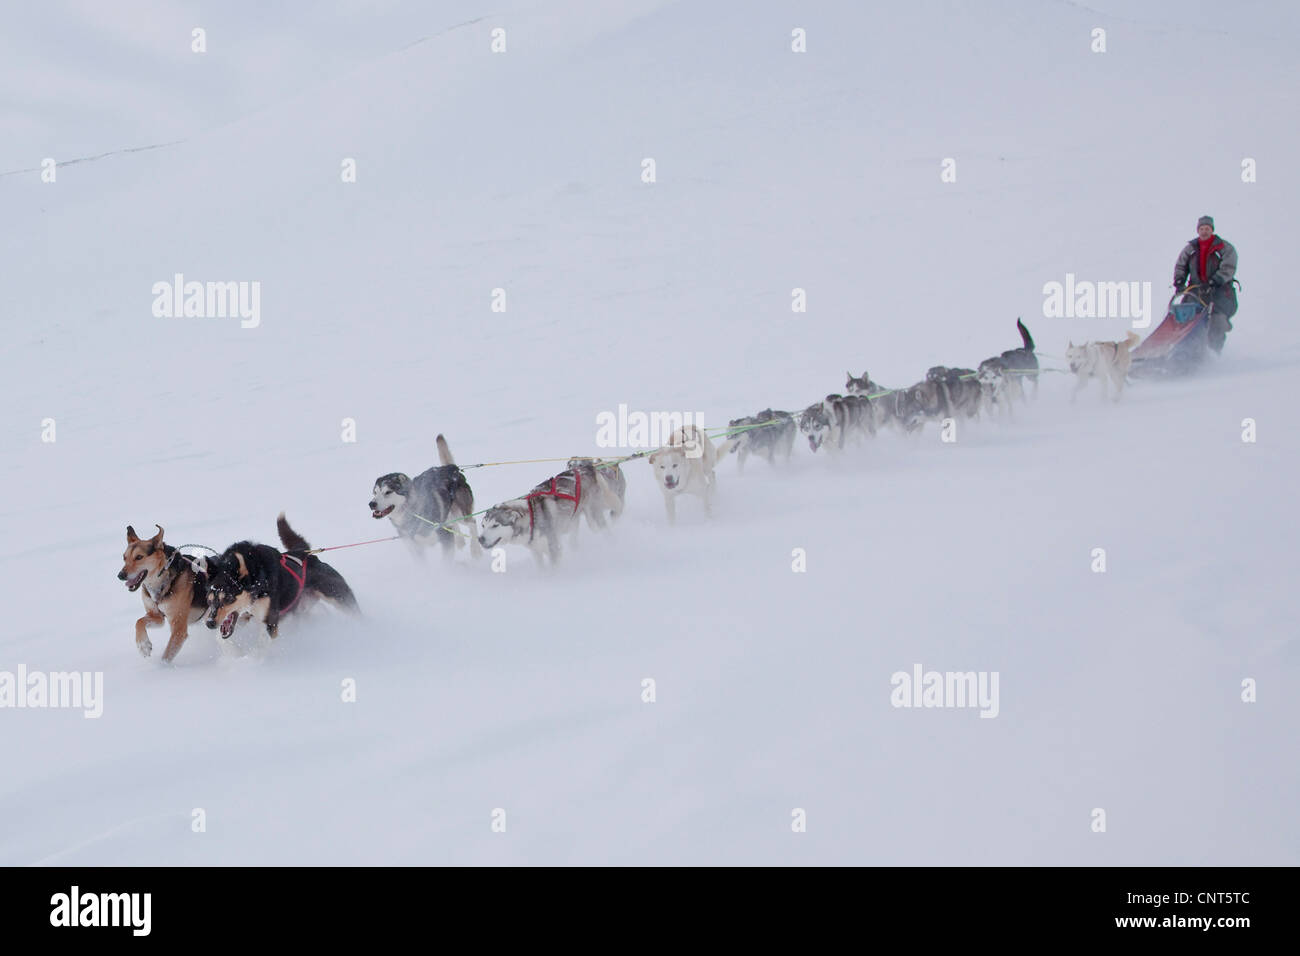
1211	262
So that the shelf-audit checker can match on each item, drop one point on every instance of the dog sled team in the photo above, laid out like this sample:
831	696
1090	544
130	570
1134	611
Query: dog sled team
251	582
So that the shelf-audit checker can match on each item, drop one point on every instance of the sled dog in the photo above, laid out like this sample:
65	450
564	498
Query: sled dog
961	392
1106	361
766	434
1022	362
685	466
256	581
607	484
835	419
1000	385
924	402
538	519
417	506
884	401
172	590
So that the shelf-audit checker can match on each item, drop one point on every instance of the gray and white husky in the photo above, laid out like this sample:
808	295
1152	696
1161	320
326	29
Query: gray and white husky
553	508
836	419
883	400
419	506
608	485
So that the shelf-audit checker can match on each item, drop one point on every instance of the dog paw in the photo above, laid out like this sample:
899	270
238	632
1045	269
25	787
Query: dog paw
145	647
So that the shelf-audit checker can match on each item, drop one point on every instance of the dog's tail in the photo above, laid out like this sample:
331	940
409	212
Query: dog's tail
291	539
1024	334
444	452
1131	339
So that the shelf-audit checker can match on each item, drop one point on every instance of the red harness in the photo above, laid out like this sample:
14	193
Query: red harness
553	492
301	579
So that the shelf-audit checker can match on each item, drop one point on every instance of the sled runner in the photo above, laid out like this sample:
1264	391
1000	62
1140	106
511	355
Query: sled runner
1179	343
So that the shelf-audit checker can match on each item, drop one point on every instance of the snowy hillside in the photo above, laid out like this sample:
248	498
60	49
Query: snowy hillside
523	171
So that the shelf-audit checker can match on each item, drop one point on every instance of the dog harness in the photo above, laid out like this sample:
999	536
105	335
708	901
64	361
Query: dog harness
553	492
172	554
300	578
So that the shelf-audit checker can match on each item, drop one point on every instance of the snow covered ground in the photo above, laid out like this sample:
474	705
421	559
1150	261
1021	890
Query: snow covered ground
775	170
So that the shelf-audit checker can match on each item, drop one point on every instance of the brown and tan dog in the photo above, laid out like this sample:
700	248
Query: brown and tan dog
172	591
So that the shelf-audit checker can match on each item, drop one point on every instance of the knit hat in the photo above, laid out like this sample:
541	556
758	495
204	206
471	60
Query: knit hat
1205	221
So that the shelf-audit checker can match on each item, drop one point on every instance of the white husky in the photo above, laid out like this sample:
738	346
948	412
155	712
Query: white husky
1107	361
685	466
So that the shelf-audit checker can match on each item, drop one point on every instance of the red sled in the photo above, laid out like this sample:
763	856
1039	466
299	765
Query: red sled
1180	343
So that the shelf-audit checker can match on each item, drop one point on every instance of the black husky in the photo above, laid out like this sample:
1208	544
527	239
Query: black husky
1022	361
256	581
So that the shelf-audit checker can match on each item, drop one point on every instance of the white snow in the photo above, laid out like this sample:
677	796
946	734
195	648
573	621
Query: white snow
775	170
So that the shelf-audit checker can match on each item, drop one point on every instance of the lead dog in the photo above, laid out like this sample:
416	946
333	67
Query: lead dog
256	581
767	434
1107	361
419	506
685	467
172	592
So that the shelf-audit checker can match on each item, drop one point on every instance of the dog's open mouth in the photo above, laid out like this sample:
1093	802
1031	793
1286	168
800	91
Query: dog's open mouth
135	582
383	514
670	481
228	623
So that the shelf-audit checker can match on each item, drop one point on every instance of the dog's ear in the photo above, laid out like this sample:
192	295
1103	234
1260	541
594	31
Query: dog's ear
243	568
156	540
131	536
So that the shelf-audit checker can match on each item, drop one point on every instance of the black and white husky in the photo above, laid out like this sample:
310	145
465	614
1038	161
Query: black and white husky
765	434
1000	376
418	506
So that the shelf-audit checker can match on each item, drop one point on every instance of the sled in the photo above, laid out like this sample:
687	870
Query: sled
1180	343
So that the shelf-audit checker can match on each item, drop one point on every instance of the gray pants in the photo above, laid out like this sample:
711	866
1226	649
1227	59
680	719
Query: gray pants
1225	307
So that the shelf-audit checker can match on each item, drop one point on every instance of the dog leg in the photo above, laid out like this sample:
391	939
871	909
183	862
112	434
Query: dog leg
670	505
180	631
142	642
1080	383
